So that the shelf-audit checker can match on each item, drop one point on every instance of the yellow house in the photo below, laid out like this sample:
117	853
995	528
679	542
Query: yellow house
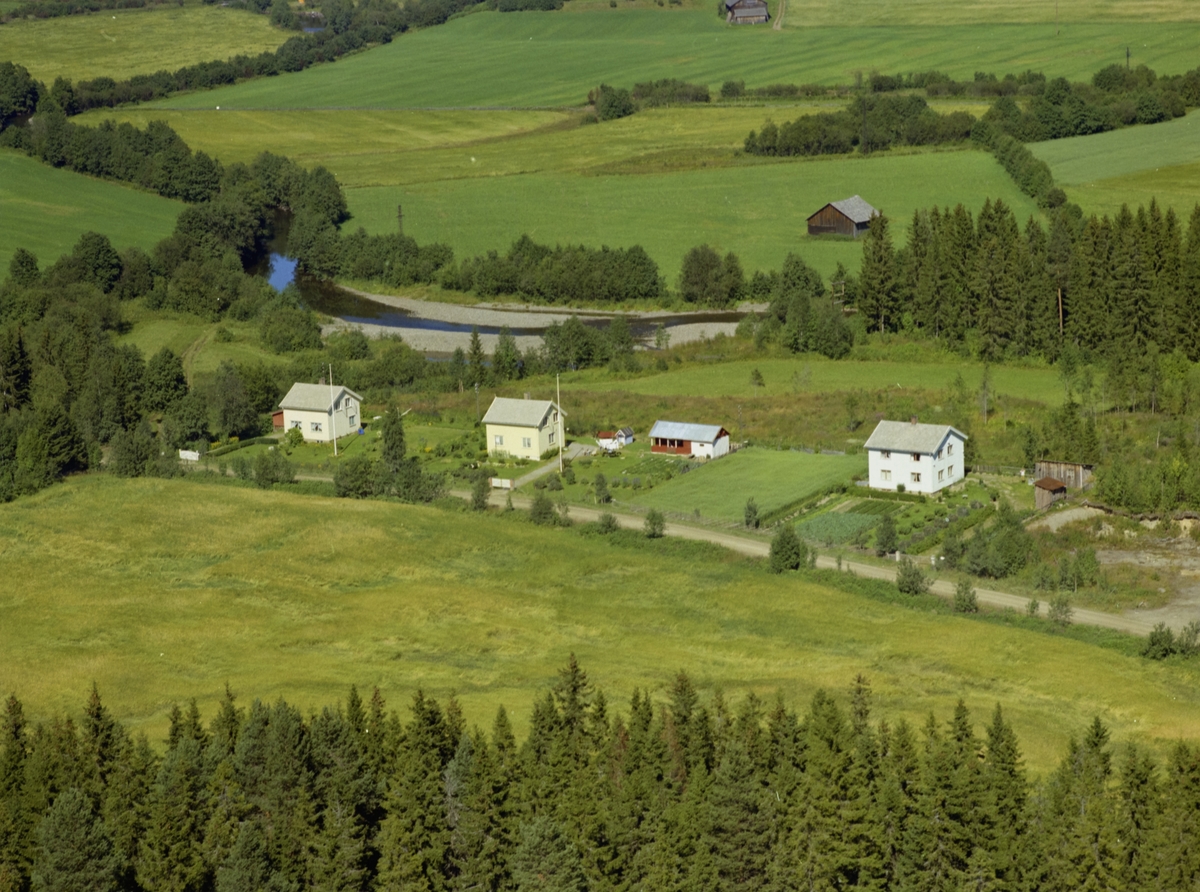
523	428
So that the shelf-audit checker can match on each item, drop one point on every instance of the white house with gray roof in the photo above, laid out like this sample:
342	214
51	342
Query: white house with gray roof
682	438
920	457
321	412
523	428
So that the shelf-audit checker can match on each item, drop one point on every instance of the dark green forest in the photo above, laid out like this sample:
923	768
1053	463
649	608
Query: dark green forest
679	793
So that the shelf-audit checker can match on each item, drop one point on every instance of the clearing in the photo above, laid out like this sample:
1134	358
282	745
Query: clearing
191	585
45	210
719	489
120	43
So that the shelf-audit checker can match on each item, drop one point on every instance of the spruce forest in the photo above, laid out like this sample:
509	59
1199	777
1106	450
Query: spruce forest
675	795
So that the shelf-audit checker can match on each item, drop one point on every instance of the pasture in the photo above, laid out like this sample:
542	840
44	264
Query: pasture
815	374
1174	187
532	59
160	591
719	489
45	210
123	42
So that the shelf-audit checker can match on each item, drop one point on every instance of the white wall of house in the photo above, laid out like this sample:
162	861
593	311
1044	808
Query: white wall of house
711	450
522	442
919	472
321	427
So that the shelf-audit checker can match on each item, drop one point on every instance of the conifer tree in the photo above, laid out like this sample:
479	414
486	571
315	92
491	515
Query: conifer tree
739	832
171	856
877	279
506	358
476	369
1139	810
546	860
16	825
344	790
125	803
1188	297
248	866
1176	856
75	853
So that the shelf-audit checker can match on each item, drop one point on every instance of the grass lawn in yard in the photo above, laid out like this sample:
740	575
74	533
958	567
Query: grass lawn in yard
190	585
119	43
45	210
719	489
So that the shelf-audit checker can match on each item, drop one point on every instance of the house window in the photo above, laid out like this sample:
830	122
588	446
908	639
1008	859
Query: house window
916	456
499	440
950	449
916	478
354	421
298	425
551	438
950	470
939	455
885	454
941	476
526	442
316	427
555	419
885	476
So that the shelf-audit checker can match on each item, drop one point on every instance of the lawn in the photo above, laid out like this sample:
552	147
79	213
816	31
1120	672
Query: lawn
719	489
160	591
121	43
807	374
939	12
46	210
537	59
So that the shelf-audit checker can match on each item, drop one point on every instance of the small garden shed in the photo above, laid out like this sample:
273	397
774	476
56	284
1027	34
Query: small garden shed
850	216
746	12
1047	491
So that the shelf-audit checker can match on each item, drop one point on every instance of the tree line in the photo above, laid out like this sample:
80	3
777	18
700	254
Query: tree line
50	9
678	792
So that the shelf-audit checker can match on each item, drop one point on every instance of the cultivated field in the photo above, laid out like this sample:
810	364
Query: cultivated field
121	43
165	590
719	489
539	59
802	375
46	210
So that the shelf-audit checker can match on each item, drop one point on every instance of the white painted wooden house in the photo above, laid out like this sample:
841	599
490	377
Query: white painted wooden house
321	412
613	441
523	428
683	438
922	457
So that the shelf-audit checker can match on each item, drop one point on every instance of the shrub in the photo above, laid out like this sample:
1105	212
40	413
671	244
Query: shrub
353	478
601	486
1160	644
787	551
481	491
272	467
655	524
1060	611
751	514
964	598
909	578
885	536
607	523
542	510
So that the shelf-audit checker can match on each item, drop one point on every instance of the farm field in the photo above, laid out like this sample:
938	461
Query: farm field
938	12
121	43
45	210
280	594
669	213
539	59
719	489
1174	187
814	374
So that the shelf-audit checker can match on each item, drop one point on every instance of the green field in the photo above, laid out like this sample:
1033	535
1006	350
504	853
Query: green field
1130	166
121	43
536	59
46	210
160	591
719	489
817	375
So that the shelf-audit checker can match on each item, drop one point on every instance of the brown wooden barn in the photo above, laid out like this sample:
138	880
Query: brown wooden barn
850	216
746	12
1047	491
1073	474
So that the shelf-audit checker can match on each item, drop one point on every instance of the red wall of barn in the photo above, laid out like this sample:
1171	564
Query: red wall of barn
685	449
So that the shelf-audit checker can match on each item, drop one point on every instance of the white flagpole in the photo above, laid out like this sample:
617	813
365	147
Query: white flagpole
332	411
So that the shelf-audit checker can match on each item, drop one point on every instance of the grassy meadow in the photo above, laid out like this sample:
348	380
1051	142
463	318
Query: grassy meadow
492	59
719	489
46	210
124	42
815	13
160	591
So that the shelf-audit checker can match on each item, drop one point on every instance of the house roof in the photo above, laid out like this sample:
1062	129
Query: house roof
907	436
854	208
519	413
627	431
314	397
605	435
1050	484
681	430
756	5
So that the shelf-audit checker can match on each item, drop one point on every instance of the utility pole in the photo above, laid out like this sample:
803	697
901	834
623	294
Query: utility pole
332	412
559	412
1126	58
400	217
477	402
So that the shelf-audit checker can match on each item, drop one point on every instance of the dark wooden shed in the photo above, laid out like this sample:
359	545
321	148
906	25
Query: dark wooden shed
746	12
1047	491
850	216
